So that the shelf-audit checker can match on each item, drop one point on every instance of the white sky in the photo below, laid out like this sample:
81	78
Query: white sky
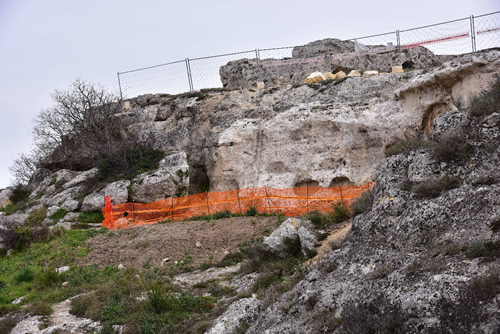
45	45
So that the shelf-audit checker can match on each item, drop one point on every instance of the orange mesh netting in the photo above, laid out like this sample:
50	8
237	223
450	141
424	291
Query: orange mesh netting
290	202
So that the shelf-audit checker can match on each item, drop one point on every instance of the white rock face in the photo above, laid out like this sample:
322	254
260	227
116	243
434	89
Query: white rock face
65	199
61	321
161	183
242	311
116	190
81	177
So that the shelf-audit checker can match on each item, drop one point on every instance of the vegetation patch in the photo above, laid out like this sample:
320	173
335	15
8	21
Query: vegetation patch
340	213
479	248
36	217
362	204
487	102
451	146
433	187
128	163
485	286
91	217
58	215
405	146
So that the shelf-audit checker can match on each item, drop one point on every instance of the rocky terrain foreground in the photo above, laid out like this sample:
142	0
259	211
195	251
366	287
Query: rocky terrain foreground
420	253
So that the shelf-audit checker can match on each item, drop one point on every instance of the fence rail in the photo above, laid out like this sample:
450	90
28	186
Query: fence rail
290	202
461	36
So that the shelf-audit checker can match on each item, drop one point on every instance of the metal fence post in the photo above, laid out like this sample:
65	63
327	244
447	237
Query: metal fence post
257	58
399	46
190	77
120	86
472	33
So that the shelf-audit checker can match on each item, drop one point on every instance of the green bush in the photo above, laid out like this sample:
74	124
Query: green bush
40	308
432	188
340	213
91	217
48	277
58	215
318	219
9	209
127	164
252	211
362	204
26	274
20	194
487	102
36	217
221	214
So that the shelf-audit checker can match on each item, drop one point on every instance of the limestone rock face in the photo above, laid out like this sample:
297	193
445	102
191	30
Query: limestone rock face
435	92
408	260
245	73
117	191
318	48
164	182
240	312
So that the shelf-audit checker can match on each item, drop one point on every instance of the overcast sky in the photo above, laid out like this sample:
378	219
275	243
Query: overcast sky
45	45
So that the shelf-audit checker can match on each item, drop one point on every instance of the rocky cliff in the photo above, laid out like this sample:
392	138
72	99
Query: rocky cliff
327	134
425	259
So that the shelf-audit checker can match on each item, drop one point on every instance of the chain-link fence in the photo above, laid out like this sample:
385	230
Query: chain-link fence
462	36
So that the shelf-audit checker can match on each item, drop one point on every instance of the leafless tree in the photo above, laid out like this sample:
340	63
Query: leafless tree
24	166
81	126
84	113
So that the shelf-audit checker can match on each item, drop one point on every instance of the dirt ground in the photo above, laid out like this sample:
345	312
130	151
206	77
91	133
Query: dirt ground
137	246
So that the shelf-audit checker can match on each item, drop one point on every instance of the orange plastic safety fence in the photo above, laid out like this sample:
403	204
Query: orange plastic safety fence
289	202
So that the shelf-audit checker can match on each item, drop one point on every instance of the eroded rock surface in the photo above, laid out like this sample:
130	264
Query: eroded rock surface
408	264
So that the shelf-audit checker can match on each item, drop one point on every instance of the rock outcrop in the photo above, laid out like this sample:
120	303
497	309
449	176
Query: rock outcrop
416	263
330	55
319	133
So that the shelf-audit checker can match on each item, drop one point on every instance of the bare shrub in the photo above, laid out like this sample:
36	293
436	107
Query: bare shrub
433	187
405	146
488	101
451	146
362	204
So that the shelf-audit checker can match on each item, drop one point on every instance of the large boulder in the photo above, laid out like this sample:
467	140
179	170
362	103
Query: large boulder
117	191
170	179
291	228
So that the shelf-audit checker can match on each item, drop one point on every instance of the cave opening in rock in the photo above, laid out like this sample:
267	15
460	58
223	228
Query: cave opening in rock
198	179
340	181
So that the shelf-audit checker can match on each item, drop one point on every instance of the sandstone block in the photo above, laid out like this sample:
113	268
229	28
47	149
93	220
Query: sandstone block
329	75
340	75
368	74
354	73
315	77
397	69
